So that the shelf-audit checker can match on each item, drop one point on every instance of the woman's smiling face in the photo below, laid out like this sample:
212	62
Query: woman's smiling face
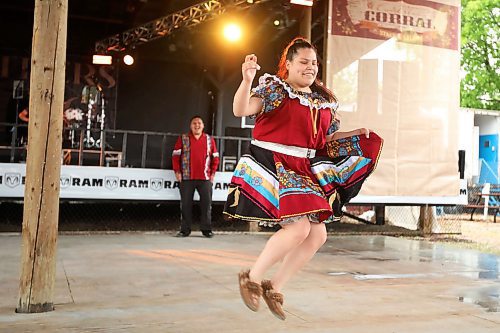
303	68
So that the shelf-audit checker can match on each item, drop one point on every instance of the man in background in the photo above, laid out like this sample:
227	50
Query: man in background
195	160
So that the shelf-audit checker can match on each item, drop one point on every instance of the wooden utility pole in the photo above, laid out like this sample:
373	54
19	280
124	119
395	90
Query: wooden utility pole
43	166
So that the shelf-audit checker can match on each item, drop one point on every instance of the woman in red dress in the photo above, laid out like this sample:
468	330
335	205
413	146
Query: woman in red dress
299	171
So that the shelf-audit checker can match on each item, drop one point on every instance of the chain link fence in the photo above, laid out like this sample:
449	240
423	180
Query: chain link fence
165	216
442	219
117	216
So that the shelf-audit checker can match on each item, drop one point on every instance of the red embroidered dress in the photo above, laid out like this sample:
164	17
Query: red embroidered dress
274	187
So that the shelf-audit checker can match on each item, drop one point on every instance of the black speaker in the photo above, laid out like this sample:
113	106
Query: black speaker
461	163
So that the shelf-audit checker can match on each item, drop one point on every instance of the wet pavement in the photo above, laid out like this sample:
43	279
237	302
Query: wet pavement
154	282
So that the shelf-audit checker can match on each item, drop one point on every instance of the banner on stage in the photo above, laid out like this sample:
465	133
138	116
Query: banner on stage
101	183
85	182
418	22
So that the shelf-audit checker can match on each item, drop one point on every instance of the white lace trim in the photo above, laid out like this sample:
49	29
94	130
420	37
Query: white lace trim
302	100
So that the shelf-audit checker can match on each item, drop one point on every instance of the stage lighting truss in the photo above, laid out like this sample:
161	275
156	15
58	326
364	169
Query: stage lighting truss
164	26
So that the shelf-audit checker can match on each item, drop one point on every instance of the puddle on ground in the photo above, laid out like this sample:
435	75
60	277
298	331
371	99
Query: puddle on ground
341	273
491	305
473	264
486	297
378	259
363	277
338	273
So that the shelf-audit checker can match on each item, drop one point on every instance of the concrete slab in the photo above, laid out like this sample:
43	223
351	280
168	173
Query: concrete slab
147	282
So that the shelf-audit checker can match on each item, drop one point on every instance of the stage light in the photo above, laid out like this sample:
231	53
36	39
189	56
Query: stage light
128	60
302	2
232	32
250	1
99	59
276	22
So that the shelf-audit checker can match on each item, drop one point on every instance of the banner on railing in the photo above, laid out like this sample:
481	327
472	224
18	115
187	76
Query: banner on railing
102	183
86	182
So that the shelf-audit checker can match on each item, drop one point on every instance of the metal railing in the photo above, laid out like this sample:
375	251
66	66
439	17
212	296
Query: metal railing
128	148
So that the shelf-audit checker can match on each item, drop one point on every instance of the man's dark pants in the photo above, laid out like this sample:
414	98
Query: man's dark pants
204	188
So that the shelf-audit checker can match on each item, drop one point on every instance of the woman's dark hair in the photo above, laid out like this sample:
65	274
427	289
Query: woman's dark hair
289	53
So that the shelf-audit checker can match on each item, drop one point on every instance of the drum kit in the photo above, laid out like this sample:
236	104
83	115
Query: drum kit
87	119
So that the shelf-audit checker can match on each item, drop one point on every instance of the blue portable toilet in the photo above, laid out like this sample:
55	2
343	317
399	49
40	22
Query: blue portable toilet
489	128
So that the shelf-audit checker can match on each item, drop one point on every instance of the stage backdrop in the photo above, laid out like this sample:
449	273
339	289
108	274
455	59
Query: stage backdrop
394	66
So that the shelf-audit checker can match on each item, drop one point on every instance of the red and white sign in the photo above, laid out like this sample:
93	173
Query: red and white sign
411	21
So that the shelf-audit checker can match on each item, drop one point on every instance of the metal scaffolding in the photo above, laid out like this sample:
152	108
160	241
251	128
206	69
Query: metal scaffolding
164	26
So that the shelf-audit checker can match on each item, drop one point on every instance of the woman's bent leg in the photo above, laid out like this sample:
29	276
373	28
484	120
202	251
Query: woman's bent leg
300	255
279	245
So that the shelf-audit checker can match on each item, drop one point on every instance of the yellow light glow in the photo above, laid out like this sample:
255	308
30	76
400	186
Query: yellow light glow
232	32
276	22
128	60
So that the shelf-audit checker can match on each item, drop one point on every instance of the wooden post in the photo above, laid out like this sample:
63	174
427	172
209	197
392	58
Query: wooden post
380	214
426	219
43	167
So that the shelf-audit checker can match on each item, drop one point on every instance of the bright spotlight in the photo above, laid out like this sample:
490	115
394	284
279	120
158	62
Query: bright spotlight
232	32
308	3
101	59
128	60
276	22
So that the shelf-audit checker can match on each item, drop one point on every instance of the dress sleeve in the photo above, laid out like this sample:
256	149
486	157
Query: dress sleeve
334	124
270	91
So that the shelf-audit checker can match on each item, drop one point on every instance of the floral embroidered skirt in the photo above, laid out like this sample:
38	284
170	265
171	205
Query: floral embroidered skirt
274	188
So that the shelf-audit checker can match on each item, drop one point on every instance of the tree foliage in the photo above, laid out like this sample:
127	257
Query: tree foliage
480	88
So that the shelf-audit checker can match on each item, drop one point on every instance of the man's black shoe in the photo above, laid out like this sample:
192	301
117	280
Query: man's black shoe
208	234
182	234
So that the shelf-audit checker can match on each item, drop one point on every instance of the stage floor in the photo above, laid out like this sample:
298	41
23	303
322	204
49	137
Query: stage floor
154	282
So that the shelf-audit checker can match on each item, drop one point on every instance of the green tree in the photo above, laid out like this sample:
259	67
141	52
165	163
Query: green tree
480	88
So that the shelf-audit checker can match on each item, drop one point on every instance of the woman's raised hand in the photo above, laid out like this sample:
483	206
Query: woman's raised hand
250	67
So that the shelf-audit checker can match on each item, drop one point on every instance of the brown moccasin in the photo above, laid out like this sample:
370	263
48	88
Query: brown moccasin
273	299
250	291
